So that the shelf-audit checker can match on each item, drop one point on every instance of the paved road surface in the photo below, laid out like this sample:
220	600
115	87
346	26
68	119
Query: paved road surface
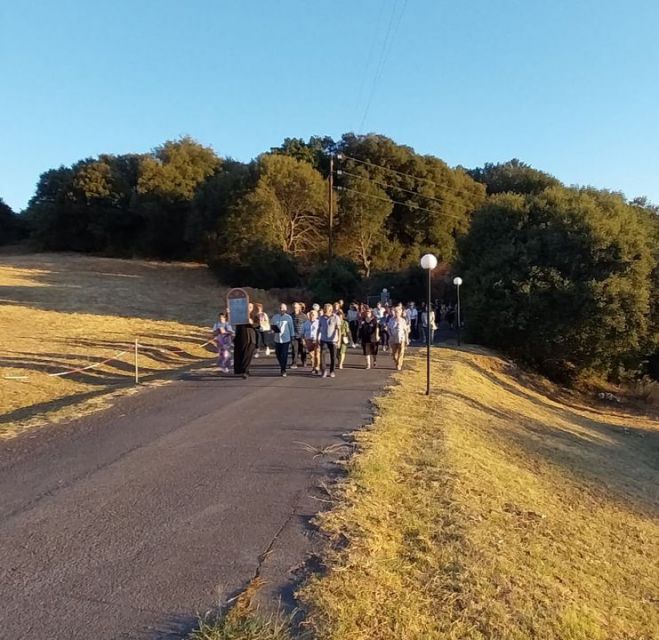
128	523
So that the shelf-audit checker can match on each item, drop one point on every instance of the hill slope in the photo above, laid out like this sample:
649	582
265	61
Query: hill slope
493	509
64	311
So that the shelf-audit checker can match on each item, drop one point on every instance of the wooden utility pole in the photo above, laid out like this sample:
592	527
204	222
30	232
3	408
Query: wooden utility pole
330	204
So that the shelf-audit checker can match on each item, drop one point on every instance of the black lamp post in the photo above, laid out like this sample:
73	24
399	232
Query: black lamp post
428	262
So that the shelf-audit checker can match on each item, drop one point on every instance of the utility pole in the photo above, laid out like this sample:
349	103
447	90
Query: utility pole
330	236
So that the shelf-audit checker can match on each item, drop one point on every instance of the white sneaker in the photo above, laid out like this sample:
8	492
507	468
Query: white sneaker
256	355
332	375
325	373
267	351
293	366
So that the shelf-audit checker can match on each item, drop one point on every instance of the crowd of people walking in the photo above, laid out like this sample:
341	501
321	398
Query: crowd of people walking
319	338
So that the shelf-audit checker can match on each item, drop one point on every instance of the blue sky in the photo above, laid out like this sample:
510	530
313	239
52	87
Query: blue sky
571	87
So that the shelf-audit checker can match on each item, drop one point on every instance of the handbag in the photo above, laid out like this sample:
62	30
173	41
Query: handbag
345	340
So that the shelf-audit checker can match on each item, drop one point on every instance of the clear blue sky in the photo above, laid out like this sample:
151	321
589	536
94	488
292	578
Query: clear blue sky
571	87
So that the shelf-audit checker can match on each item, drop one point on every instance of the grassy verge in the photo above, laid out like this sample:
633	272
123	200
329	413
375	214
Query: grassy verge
65	311
494	509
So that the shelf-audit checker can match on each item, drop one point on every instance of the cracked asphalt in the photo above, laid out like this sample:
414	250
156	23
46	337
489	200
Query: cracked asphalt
131	522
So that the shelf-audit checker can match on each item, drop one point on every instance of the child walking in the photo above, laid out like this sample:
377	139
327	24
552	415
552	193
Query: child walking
223	332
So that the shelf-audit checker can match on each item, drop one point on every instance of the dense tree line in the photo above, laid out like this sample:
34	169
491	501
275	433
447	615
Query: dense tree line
565	278
11	225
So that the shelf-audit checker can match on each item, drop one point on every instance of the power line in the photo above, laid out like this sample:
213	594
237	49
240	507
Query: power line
370	58
402	204
342	156
389	186
384	54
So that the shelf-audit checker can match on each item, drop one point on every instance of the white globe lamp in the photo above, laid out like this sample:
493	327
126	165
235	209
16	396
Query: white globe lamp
429	261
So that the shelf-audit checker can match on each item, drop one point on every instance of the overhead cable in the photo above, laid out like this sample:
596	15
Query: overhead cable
342	156
390	186
402	204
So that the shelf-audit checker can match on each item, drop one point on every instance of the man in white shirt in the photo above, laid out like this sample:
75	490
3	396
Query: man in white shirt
284	330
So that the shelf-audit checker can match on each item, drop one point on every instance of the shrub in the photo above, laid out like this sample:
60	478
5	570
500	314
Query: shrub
560	279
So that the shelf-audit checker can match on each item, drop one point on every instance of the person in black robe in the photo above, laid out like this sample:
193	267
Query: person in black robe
244	346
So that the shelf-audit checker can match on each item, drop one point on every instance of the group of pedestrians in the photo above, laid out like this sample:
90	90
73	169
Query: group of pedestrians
318	339
421	321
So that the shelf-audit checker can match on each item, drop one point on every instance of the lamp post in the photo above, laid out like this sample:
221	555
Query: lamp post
457	281
428	262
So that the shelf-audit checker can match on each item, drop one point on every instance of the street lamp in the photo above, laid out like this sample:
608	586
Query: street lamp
457	281
428	262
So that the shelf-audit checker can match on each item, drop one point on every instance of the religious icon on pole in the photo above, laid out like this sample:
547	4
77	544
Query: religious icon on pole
238	306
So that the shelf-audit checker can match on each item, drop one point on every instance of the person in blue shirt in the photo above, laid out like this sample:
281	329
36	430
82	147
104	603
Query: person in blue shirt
284	331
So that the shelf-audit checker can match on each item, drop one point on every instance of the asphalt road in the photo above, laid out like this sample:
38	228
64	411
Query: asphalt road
129	523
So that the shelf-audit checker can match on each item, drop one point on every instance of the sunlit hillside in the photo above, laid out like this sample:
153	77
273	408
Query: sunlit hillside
64	311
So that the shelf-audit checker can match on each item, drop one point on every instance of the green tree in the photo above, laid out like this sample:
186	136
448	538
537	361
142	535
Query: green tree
52	223
175	169
316	152
433	203
168	182
215	198
339	280
363	212
10	225
512	176
286	209
560	279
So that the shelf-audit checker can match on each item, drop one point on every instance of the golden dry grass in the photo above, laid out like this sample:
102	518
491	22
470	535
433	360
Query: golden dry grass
496	509
63	311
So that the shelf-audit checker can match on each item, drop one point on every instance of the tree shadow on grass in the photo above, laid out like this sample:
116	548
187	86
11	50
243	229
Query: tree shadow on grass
26	413
609	458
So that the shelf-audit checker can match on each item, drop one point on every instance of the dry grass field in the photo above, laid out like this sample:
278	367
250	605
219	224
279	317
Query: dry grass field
64	311
497	509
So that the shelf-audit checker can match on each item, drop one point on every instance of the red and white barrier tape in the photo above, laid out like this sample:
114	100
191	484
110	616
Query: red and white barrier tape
60	374
117	355
91	366
173	349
